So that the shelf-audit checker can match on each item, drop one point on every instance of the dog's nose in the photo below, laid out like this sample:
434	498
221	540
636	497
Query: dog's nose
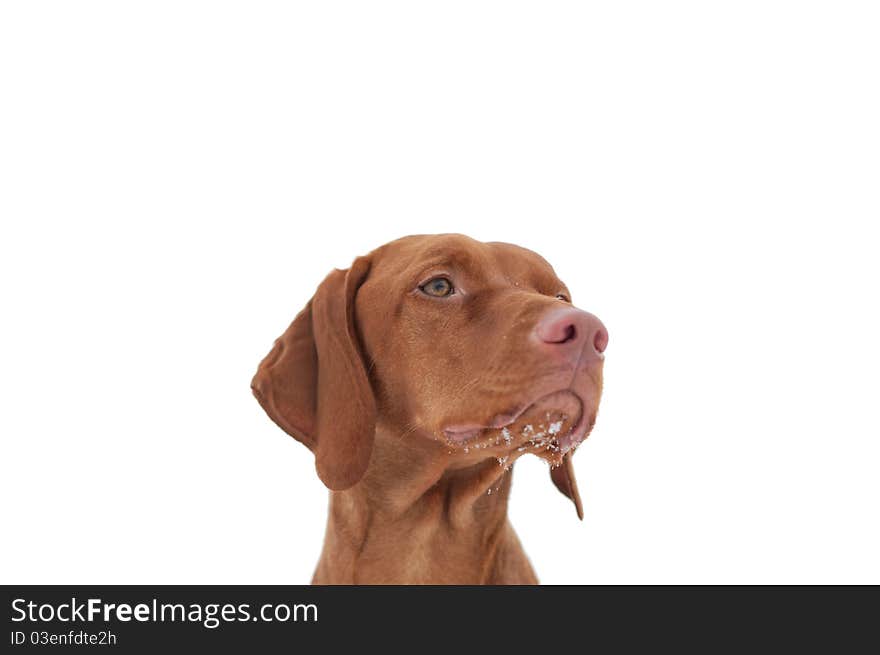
569	330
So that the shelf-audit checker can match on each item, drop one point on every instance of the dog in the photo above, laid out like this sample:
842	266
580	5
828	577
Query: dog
417	377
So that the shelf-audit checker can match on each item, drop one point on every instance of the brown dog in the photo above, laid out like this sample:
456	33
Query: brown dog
418	377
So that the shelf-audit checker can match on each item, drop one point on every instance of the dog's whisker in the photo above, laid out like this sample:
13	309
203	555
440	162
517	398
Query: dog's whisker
410	429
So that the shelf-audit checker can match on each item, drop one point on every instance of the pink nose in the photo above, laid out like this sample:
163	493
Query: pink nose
569	331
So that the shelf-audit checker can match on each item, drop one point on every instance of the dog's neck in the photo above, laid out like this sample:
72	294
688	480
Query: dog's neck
418	518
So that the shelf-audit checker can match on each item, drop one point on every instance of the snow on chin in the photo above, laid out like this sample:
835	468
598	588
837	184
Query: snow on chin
546	434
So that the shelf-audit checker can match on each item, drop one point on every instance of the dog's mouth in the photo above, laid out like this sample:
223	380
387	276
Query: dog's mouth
549	427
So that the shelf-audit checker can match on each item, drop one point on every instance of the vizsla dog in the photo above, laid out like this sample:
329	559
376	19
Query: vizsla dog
418	377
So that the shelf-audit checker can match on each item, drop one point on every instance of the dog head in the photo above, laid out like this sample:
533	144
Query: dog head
475	345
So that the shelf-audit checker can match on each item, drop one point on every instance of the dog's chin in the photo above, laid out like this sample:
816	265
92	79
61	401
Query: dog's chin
549	428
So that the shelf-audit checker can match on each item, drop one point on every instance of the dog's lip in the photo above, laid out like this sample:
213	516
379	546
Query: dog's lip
461	433
581	430
466	432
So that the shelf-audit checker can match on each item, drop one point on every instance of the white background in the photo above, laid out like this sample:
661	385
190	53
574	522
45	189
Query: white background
177	177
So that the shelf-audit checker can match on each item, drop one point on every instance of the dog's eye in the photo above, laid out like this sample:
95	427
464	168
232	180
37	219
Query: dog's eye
563	297
439	287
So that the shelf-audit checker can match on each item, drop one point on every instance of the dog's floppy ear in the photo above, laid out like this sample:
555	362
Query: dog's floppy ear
314	384
563	478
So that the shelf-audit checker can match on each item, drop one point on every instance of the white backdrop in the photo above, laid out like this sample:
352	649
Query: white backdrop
177	177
